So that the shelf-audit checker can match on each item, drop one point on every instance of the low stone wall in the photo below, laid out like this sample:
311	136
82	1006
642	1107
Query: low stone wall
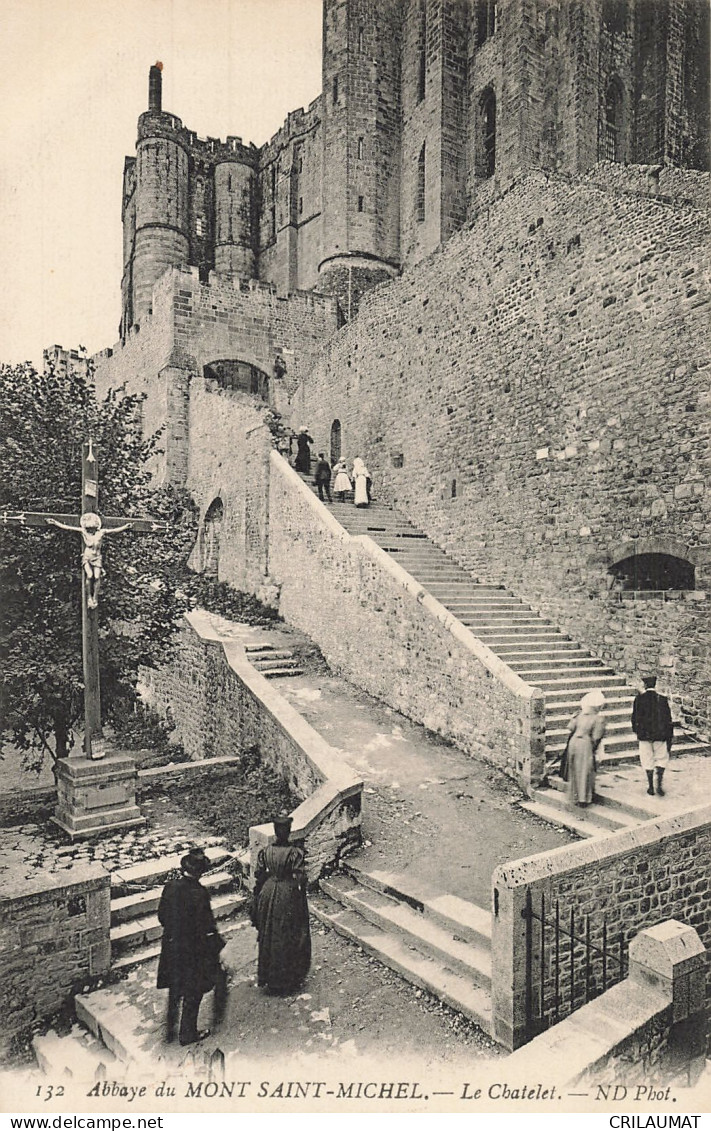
378	626
53	938
644	1033
222	705
632	879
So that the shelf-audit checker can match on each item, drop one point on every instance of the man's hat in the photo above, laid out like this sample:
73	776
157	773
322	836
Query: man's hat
649	680
195	862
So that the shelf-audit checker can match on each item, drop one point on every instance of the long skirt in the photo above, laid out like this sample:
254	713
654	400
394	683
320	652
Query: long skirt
581	771
284	936
361	491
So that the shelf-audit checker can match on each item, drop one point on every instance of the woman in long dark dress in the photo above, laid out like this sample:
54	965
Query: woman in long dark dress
281	914
303	451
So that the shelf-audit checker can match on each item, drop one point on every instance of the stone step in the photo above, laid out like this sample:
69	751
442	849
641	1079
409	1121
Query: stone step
597	814
272	673
429	974
615	725
268	665
524	633
614	700
613	742
260	655
465	919
555	816
560	664
551	656
76	1055
138	932
578	668
580	685
137	906
151	950
523	649
603	797
149	873
503	619
412	927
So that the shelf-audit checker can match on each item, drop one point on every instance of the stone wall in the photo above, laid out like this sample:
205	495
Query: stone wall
376	625
221	705
632	879
53	938
194	324
536	394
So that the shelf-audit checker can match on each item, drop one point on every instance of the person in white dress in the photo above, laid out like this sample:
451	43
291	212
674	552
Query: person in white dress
341	482
361	480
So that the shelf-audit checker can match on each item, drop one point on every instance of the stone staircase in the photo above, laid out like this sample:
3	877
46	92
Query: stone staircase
530	645
434	940
271	661
136	891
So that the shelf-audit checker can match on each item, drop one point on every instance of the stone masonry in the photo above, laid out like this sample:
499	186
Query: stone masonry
535	397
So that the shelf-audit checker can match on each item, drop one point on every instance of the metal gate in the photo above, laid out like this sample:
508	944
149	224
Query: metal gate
570	959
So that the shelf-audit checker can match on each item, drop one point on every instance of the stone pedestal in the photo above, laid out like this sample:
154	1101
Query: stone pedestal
96	797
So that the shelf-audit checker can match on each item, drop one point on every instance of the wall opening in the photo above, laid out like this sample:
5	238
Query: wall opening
485	20
230	373
487	147
420	201
422	51
335	442
212	531
653	572
611	129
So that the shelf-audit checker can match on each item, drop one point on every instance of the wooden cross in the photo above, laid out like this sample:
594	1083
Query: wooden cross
93	532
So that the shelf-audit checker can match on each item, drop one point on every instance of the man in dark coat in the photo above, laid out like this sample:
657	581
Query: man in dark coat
652	723
189	955
322	477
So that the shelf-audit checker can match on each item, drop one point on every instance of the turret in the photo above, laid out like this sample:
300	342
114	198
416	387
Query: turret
161	198
234	215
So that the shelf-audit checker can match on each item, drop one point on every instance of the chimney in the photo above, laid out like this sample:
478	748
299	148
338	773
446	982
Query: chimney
155	87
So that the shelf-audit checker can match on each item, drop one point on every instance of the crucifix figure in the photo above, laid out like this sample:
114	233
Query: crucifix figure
93	530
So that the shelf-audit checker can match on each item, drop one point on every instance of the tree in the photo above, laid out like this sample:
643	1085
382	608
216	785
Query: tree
44	420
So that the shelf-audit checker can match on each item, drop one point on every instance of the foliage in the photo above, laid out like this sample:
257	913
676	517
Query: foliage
137	727
44	420
231	800
219	597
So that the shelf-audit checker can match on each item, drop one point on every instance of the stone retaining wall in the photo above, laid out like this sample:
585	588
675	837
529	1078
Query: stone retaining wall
659	870
379	627
53	939
222	705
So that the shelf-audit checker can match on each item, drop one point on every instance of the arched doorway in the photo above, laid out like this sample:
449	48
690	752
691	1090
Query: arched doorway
231	373
211	538
335	442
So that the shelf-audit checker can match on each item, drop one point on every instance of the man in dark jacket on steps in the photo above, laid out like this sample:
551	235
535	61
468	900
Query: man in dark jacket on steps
189	957
652	723
322	477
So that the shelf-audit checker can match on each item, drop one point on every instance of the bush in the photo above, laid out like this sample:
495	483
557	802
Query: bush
219	597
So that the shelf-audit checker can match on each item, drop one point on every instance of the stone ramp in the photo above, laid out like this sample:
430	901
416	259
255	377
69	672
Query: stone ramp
526	642
434	940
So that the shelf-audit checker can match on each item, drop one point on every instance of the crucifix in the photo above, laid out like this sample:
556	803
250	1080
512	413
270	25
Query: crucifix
93	530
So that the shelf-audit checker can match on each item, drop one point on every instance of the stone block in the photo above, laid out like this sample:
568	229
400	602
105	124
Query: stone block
96	796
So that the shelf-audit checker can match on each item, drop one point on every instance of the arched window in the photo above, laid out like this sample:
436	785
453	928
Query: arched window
420	202
612	123
653	573
233	374
487	104
212	530
422	51
335	441
485	20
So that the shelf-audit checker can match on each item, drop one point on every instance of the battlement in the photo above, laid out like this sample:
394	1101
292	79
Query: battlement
297	124
161	124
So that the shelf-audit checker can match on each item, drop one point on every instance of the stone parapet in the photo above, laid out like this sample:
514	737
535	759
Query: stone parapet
54	938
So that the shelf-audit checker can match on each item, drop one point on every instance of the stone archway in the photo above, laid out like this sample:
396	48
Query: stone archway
211	533
653	565
335	442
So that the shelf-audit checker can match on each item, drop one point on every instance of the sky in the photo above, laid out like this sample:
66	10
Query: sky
73	80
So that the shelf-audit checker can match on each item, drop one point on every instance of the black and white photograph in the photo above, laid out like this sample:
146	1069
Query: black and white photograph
355	459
